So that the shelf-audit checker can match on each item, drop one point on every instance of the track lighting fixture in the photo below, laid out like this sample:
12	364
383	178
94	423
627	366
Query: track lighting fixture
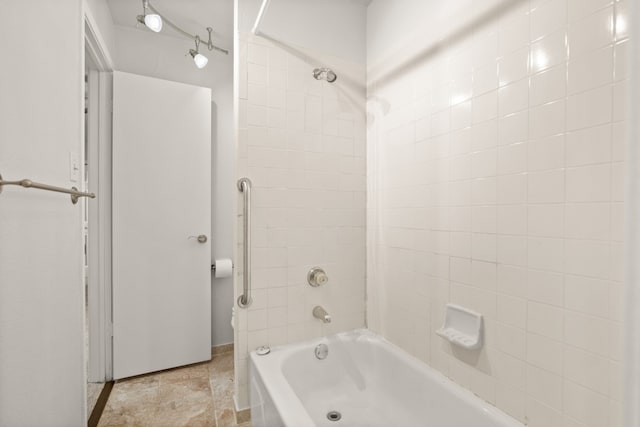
198	58
154	22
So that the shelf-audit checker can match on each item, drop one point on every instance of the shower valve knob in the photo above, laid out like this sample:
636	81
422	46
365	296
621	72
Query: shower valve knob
317	277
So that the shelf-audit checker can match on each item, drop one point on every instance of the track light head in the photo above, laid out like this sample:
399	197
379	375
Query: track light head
151	21
198	58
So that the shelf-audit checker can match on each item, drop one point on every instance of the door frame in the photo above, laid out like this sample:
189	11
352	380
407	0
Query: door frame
99	81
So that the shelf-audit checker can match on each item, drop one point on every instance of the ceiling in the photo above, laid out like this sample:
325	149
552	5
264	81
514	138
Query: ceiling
193	16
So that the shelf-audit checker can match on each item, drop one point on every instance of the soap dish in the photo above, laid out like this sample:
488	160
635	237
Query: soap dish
462	327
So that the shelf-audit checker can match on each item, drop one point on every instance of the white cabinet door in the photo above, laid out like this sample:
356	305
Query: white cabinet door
161	204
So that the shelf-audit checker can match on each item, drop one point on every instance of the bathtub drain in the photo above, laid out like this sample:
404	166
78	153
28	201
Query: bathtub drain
334	416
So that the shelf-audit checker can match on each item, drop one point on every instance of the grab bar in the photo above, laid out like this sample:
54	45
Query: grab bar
244	300
27	183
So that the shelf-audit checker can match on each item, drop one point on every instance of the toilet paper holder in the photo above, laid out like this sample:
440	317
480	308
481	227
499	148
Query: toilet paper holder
213	267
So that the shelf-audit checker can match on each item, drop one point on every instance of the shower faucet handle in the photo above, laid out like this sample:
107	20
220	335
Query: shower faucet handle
317	277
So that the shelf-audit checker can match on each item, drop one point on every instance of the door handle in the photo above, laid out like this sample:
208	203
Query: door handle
201	238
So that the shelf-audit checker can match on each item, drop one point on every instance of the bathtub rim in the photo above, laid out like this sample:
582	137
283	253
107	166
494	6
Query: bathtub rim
282	393
279	389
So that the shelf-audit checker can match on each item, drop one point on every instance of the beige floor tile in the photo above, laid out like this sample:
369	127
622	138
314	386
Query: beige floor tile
225	417
226	348
221	364
199	395
199	370
243	416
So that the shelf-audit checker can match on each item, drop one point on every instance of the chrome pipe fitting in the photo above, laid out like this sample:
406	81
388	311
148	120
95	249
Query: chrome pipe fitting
321	313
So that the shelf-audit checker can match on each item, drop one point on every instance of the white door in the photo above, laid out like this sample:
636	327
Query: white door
161	204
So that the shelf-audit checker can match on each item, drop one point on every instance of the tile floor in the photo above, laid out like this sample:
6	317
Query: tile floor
195	395
93	392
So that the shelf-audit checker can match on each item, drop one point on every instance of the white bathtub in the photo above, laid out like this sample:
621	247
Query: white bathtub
365	378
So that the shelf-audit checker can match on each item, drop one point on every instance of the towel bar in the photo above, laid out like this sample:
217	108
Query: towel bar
27	183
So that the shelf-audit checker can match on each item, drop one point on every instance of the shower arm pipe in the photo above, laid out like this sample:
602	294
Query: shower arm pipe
263	10
193	37
244	300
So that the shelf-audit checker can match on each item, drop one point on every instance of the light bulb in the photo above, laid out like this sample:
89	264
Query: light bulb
153	22
200	60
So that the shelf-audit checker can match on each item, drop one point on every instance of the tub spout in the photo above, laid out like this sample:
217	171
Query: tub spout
321	313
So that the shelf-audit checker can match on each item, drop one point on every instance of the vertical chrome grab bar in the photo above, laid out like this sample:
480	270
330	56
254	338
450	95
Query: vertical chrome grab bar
244	300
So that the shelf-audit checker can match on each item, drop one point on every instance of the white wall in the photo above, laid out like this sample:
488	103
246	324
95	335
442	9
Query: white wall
302	143
496	175
100	13
419	19
331	26
632	267
42	368
142	52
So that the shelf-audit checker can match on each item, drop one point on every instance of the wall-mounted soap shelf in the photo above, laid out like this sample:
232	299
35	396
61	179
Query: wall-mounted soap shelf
462	327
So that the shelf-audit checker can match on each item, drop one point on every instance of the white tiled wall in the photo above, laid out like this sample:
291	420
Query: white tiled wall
495	169
302	143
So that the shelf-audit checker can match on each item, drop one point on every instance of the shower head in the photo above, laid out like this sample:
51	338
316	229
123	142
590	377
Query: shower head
325	74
